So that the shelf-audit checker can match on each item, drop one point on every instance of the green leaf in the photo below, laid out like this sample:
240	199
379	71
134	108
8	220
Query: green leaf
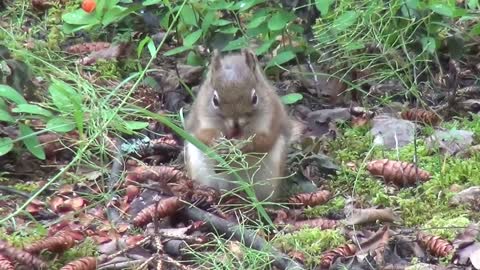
64	97
141	45
135	125
193	59
188	16
442	9
80	17
208	19
3	104
281	58
151	2
31	141
236	44
6	117
256	22
220	4
151	48
221	22
6	144
475	30
11	94
177	50
229	30
472	4
116	13
291	98
189	40
71	28
279	20
345	20
32	109
264	47
323	6
428	44
247	4
413	4
61	125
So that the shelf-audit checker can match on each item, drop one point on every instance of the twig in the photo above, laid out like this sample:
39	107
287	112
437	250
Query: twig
14	191
249	237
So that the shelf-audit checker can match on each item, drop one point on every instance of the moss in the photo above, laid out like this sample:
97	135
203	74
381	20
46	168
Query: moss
333	206
312	242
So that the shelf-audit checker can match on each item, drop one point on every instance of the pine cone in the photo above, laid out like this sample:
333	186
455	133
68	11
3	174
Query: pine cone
160	174
57	244
311	199
21	256
86	263
330	256
5	263
422	116
164	208
398	172
435	245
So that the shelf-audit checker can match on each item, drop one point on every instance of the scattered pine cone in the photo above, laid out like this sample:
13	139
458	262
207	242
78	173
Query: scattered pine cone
320	223
5	263
21	256
160	174
422	116
398	172
435	245
163	208
56	244
329	257
88	47
311	199
86	263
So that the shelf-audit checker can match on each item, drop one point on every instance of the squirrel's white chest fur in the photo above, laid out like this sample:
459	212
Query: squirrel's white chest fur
265	177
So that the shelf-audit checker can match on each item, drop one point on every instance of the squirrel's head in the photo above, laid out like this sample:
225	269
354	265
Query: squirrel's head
235	95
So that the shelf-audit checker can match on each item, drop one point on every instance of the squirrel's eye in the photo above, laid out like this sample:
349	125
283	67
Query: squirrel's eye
254	97
215	101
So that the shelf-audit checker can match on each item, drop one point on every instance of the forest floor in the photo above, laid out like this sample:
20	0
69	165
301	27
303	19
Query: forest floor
384	175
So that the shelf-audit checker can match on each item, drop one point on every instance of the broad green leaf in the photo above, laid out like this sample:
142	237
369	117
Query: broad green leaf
345	20
193	59
151	48
291	98
323	6
428	44
413	4
151	2
6	144
256	22
64	97
11	94
32	109
236	44
208	19
188	15
472	4
264	47
442	9
61	125
141	45
80	17
71	28
31	141
135	125
116	13
6	117
190	39
177	50
229	30
475	30
220	4
279	20
3	104
281	58
247	4
221	22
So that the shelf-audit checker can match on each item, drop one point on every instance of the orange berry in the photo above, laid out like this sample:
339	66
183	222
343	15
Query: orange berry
89	5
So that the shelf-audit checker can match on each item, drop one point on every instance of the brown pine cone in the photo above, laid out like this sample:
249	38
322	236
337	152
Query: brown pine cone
435	245
163	208
86	263
329	257
311	199
422	116
398	172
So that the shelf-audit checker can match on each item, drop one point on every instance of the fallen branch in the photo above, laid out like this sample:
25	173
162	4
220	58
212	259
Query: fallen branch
249	237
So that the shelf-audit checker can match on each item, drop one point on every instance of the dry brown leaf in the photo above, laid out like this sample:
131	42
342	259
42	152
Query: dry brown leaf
88	47
111	53
369	215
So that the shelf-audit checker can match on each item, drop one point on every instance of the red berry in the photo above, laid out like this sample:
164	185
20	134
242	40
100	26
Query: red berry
89	5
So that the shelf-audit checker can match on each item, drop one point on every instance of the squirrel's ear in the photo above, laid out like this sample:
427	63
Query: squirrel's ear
250	58
215	62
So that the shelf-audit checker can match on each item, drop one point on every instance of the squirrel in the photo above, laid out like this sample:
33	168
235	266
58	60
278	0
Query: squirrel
236	101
